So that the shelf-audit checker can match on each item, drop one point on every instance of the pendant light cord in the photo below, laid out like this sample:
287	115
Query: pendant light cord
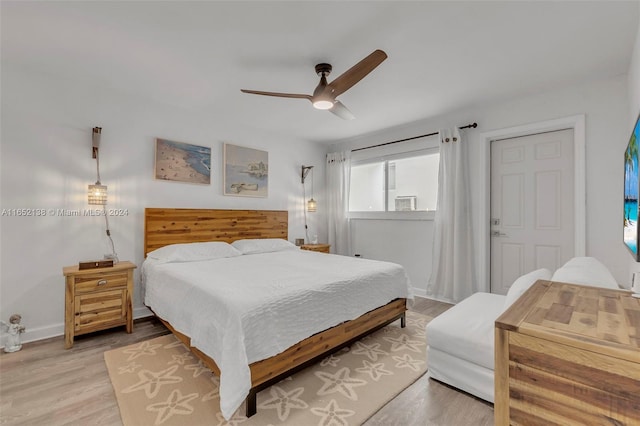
113	247
304	210
104	211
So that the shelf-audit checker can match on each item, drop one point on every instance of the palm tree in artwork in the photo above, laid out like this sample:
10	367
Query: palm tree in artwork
629	155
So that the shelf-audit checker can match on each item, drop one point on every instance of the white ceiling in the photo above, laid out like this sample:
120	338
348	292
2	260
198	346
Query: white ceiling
443	56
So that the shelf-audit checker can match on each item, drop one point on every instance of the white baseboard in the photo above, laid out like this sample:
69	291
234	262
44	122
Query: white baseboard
55	330
141	312
450	302
422	292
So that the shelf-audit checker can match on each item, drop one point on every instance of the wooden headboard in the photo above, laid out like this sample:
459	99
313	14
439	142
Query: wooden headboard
175	226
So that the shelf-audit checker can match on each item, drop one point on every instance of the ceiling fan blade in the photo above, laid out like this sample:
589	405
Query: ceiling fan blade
357	72
276	94
341	111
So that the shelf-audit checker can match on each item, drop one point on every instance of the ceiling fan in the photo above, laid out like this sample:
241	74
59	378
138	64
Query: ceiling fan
324	96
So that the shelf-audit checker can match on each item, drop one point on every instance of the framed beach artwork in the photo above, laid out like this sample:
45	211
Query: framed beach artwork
246	171
183	162
631	207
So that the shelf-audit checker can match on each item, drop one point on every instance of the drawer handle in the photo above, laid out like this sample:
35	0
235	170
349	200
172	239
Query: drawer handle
102	282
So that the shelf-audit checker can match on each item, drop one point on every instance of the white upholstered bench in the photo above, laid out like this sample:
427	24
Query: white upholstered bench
460	349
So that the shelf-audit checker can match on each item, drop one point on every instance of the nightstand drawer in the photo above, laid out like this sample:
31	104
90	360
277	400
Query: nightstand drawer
96	310
100	282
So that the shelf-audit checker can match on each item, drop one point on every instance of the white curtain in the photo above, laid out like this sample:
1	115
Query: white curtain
338	173
453	273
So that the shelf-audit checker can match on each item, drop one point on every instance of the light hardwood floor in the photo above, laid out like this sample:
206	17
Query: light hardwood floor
45	384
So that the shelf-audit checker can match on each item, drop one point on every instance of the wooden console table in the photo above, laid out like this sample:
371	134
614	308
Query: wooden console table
568	354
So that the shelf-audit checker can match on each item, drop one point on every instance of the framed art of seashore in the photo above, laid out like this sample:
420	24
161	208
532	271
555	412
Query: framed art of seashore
630	220
246	171
182	162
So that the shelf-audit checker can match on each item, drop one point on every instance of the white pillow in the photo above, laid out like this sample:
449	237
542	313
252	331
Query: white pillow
263	245
586	271
193	252
523	283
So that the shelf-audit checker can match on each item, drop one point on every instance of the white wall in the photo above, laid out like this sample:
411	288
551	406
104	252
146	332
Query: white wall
634	110
605	105
400	241
46	163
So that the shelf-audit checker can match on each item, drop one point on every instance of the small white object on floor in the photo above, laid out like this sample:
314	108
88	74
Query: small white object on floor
15	328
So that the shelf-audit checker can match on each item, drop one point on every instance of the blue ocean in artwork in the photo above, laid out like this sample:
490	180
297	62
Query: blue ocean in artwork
631	210
198	157
182	162
631	191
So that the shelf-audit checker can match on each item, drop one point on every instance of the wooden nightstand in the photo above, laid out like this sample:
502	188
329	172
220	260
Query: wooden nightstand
323	248
96	299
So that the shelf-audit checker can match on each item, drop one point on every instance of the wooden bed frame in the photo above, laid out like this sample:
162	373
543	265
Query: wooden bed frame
173	226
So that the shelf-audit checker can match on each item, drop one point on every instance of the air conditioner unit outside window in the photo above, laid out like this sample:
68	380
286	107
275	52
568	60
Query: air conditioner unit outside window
405	203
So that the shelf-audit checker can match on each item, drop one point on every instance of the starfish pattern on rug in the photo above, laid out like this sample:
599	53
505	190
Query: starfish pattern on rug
198	368
339	382
404	342
406	361
284	401
370	351
145	348
330	360
418	322
129	368
421	332
235	420
374	370
151	382
332	415
175	344
331	394
215	392
180	359
175	404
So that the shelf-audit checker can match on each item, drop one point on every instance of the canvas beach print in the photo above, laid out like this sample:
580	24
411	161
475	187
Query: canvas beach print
631	192
183	162
246	171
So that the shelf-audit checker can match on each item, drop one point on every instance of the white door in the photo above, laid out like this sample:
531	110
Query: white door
532	186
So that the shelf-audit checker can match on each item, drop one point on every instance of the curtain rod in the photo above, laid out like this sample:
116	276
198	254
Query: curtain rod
468	126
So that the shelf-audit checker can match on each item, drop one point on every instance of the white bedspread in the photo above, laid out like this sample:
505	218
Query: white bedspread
244	309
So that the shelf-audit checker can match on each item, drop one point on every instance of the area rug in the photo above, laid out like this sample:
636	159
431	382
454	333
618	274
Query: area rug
160	382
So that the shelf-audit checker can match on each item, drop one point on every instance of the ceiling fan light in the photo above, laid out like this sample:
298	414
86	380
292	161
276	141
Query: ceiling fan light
322	104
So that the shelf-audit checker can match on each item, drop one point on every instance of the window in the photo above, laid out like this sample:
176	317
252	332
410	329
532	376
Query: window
366	193
402	182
